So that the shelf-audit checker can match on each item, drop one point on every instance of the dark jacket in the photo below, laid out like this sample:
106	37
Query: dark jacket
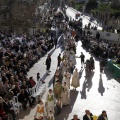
27	93
48	61
22	98
101	117
85	117
59	58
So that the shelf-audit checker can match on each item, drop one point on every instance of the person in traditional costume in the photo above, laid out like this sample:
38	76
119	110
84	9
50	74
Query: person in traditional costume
50	116
64	66
66	79
72	57
65	55
65	95
57	76
40	111
50	101
57	89
71	67
75	79
59	105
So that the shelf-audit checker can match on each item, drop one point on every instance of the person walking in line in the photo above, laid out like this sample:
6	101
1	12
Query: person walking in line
59	60
71	68
75	79
87	68
50	101
57	89
50	116
59	105
40	111
82	56
48	64
92	64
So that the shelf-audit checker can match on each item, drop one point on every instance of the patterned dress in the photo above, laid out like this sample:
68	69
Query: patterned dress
57	90
40	111
50	101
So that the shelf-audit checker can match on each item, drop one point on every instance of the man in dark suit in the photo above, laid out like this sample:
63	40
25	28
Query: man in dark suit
103	116
88	115
59	60
48	64
55	42
75	117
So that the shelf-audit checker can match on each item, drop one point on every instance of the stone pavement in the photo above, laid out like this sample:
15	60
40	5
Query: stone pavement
96	94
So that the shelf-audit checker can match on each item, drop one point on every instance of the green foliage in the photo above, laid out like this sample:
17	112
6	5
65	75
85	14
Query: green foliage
91	5
104	7
107	8
115	4
115	13
79	6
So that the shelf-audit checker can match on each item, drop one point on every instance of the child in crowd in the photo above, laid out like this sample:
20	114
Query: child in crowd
50	116
38	76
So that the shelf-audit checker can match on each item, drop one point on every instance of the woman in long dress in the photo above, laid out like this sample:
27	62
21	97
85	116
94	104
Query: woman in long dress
57	89
64	66
67	78
40	111
72	57
50	101
75	79
65	94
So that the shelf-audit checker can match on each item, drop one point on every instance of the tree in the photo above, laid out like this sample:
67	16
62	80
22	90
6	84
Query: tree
17	14
115	4
91	5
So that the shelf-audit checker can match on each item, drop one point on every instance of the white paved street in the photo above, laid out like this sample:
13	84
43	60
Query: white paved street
95	102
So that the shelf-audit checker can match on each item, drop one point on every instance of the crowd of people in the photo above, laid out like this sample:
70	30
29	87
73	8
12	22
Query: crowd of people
18	55
59	96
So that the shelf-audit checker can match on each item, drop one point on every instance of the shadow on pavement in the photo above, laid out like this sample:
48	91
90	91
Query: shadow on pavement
52	51
44	76
80	72
51	82
87	84
24	113
101	88
89	81
68	109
